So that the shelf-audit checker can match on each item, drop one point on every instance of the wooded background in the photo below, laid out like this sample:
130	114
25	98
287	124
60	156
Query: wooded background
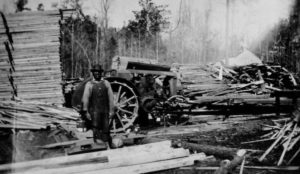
191	40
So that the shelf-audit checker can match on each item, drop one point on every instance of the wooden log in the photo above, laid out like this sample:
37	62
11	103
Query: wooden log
228	166
154	166
76	158
219	151
256	141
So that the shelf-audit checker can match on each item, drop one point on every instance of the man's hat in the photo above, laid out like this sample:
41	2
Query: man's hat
97	67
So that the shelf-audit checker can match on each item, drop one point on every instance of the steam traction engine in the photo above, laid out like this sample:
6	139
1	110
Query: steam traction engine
141	90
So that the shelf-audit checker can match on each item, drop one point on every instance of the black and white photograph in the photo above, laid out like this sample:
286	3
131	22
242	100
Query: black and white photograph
150	86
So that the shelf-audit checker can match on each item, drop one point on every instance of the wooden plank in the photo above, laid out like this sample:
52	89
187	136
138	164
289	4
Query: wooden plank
16	30
25	81
33	13
45	64
53	55
16	23
36	68
154	166
36	40
39	78
37	86
36	74
36	45
277	168
31	18
33	52
29	35
77	158
122	160
41	91
2	126
33	28
54	58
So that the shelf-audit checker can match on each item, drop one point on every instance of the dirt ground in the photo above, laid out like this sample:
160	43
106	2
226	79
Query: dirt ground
232	136
27	143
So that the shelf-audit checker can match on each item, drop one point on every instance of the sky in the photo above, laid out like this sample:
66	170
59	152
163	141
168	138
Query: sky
249	19
120	12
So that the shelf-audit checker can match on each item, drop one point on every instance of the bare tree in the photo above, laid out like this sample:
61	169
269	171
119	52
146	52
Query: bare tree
105	4
102	20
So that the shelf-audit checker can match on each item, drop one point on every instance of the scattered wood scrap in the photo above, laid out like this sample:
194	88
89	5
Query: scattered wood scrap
285	135
23	115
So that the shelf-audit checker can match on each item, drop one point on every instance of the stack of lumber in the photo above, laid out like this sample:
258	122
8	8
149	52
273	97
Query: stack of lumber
31	116
36	57
6	89
135	159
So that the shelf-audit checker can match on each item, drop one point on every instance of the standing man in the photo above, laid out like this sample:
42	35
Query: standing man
98	104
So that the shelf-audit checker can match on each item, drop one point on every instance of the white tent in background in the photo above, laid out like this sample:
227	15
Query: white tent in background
243	59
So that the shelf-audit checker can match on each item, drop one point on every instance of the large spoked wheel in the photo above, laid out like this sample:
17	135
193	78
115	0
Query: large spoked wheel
177	104
126	104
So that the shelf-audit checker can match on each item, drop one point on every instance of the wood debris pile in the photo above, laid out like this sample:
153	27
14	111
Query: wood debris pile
285	137
216	80
26	115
